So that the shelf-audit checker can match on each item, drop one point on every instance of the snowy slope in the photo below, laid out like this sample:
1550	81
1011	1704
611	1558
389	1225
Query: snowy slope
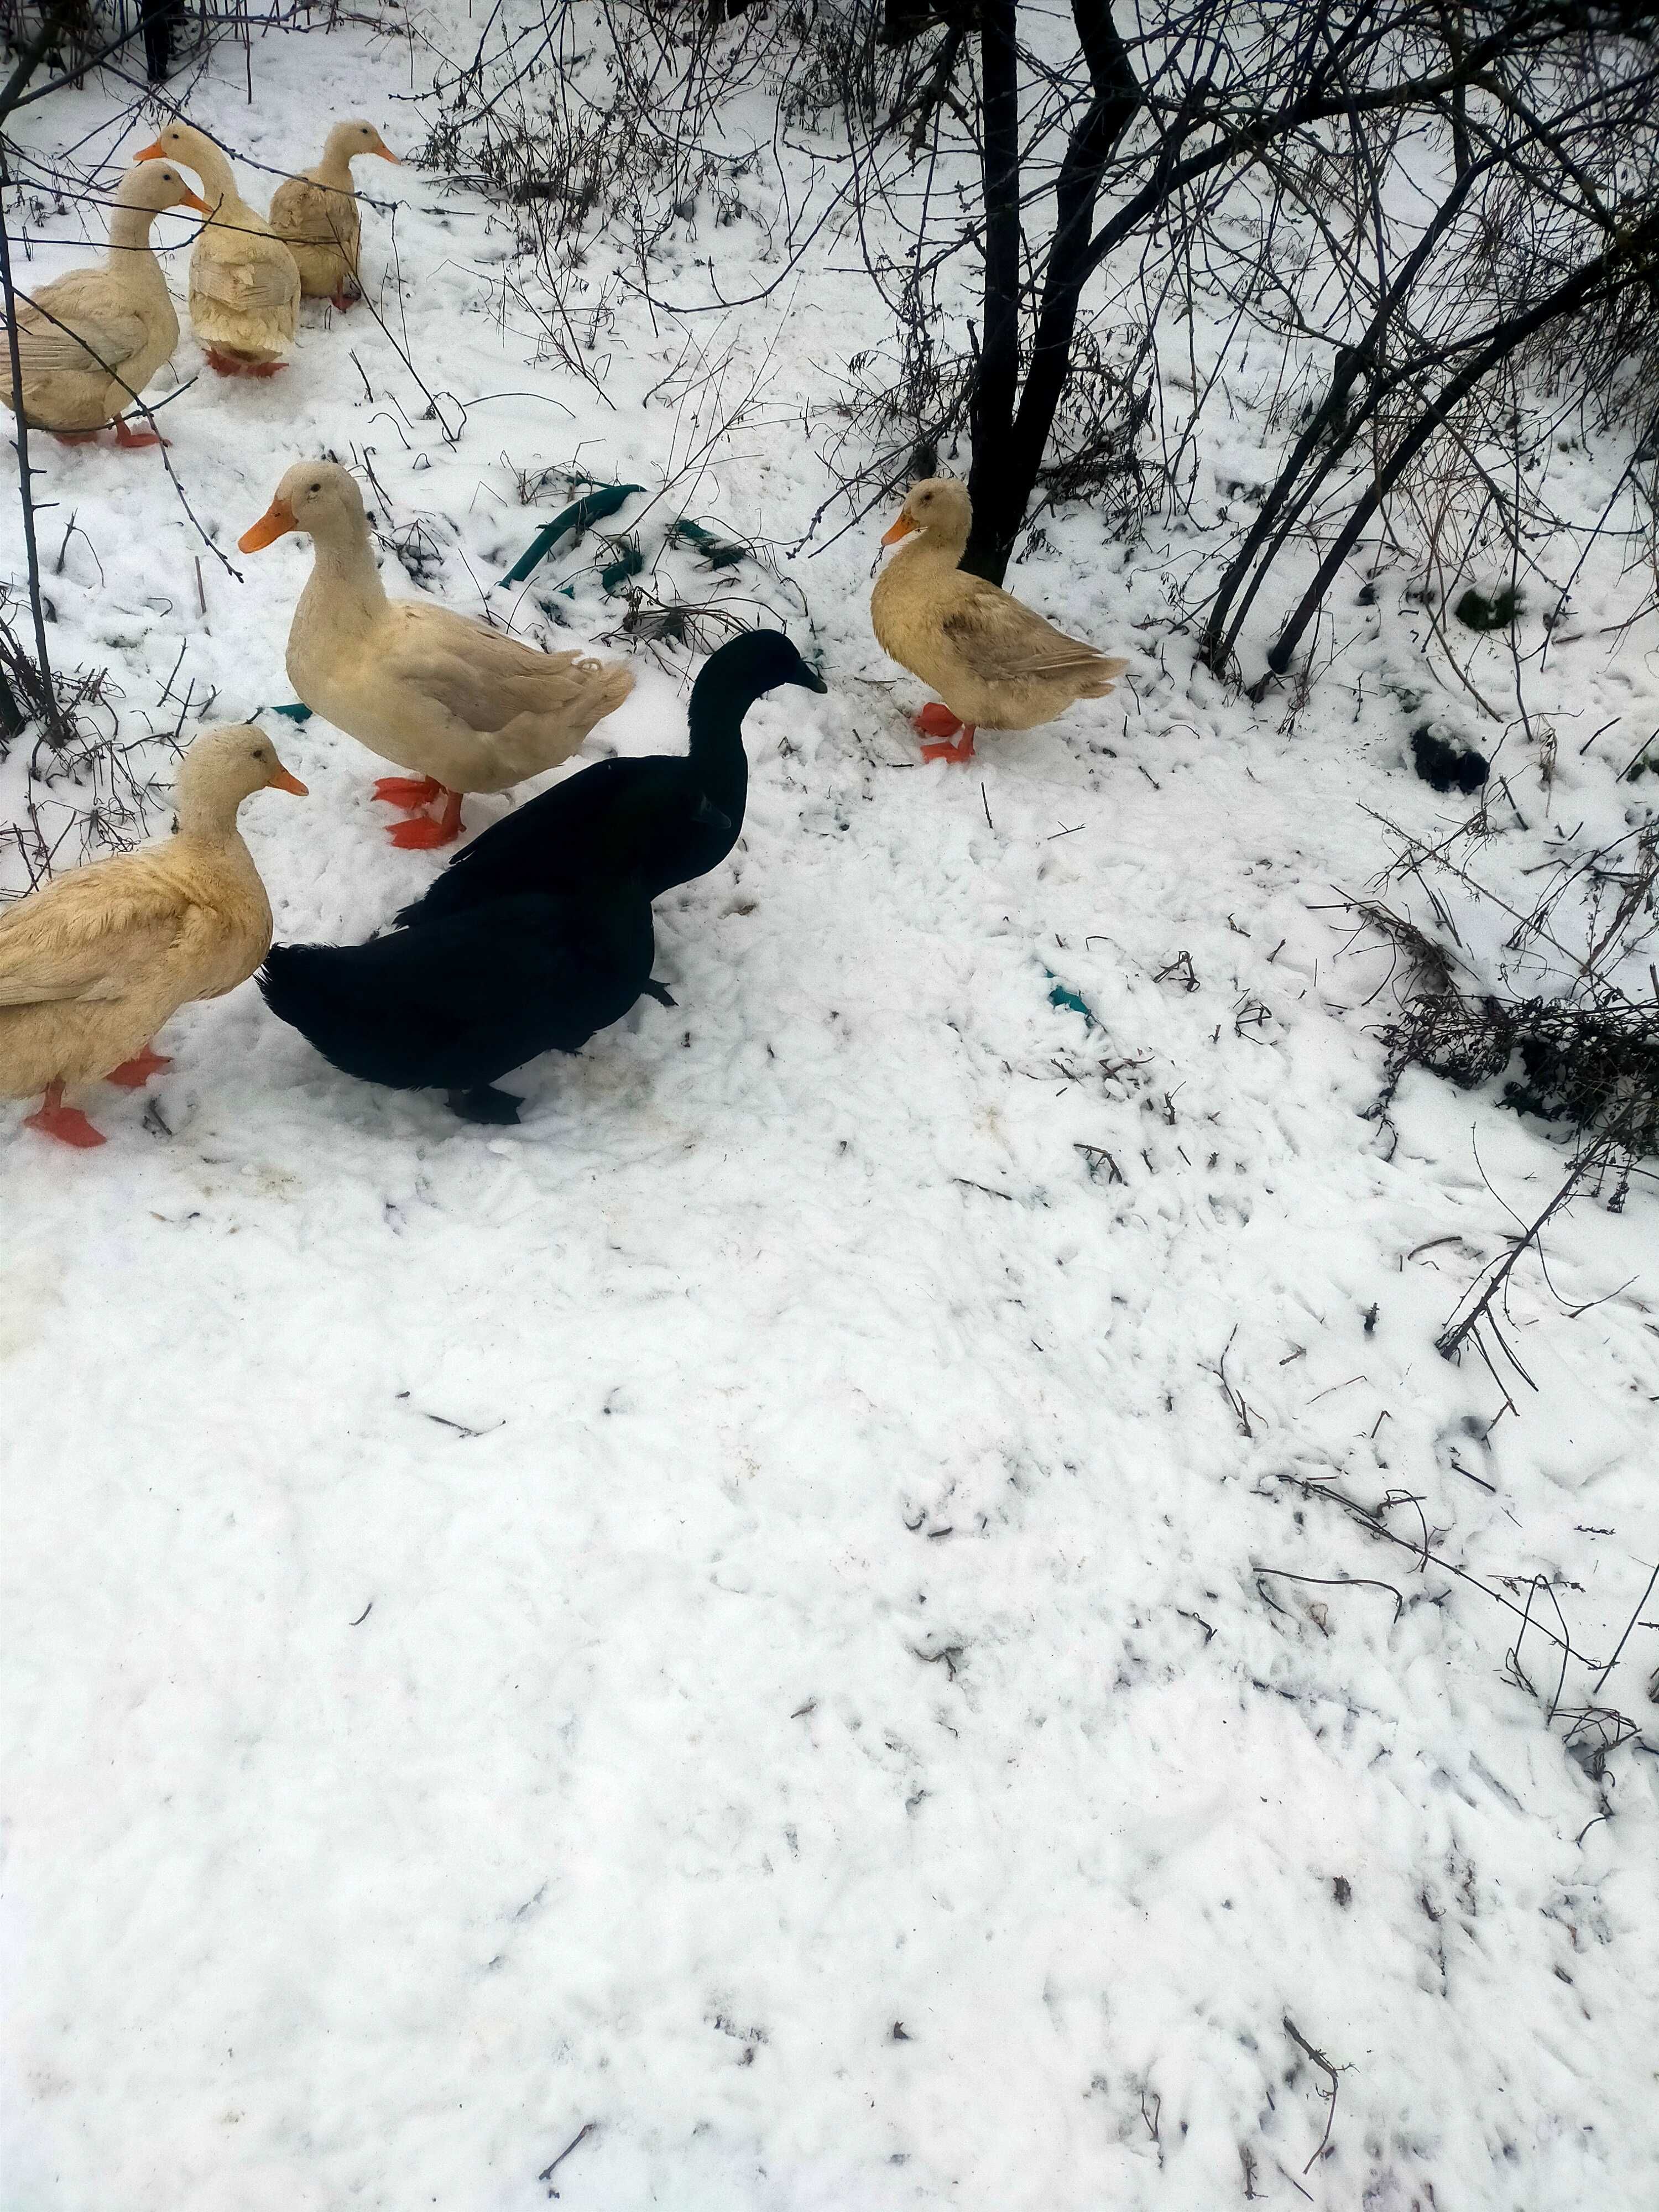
747	1611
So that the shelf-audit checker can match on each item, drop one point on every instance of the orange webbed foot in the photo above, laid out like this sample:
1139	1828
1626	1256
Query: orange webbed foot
132	440
422	835
345	301
238	364
935	722
408	790
963	749
426	831
133	1074
67	1124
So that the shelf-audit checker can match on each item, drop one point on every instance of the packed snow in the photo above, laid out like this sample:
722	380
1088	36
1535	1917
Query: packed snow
787	1625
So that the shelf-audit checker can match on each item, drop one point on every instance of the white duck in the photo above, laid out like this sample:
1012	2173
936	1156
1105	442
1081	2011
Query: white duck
466	708
94	963
89	342
244	286
315	216
996	664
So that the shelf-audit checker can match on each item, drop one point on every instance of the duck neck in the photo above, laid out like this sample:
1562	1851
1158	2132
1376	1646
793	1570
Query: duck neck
345	584
130	257
208	812
334	170
218	178
933	549
716	748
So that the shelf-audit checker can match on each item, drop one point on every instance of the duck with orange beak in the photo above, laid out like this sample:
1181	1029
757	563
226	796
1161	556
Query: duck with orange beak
244	286
460	706
94	962
316	217
995	664
90	342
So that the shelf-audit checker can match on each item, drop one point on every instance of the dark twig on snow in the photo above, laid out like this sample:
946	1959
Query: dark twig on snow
1335	1581
1093	1156
581	2136
1181	968
1624	1639
1236	1401
1326	2068
1378	1527
1476	1305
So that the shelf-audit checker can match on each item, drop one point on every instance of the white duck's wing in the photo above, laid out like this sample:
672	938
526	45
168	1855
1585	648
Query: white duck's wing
308	214
88	940
253	273
481	676
74	323
999	641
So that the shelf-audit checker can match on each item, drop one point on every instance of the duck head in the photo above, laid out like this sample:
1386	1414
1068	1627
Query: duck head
319	497
939	507
153	187
346	140
746	666
224	767
184	144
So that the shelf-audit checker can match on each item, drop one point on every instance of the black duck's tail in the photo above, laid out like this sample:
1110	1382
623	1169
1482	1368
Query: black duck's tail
427	907
311	988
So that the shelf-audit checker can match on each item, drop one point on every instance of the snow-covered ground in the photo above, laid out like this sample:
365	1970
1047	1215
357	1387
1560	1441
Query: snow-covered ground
746	1615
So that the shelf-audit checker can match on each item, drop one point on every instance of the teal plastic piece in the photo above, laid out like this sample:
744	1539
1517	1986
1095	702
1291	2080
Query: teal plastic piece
592	506
717	552
296	711
629	562
1068	1000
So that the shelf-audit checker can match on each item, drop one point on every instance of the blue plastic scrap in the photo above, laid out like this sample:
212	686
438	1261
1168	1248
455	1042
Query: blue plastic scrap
592	506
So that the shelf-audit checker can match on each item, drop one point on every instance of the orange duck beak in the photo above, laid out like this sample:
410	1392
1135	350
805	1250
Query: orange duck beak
285	780
902	528
155	152
195	200
275	522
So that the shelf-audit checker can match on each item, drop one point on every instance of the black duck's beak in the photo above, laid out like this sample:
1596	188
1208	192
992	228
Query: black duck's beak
811	680
709	814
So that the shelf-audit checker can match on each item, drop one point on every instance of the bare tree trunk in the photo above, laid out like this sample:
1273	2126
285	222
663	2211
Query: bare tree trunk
996	377
1608	273
1327	437
1005	473
10	96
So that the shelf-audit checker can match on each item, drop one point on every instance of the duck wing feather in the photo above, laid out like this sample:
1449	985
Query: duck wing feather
304	213
483	677
595	825
88	946
256	273
999	641
75	318
467	997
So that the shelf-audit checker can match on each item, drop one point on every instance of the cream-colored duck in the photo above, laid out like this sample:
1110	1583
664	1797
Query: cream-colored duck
90	342
465	706
93	963
315	216
244	286
995	664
